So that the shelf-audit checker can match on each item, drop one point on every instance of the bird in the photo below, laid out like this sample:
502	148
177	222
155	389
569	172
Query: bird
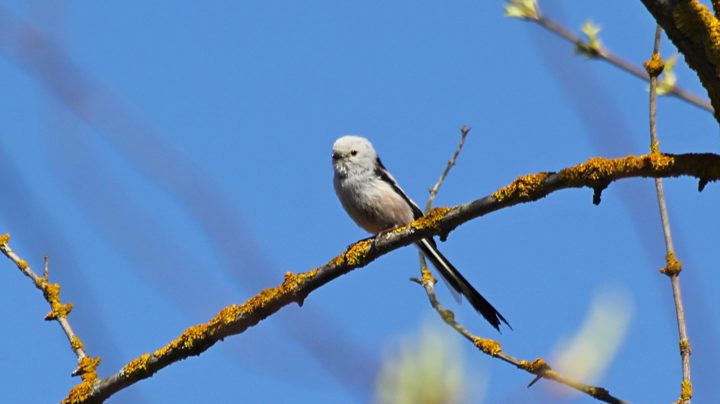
373	199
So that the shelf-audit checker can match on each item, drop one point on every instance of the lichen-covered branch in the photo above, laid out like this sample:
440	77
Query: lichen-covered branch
596	173
58	310
673	267
538	367
696	33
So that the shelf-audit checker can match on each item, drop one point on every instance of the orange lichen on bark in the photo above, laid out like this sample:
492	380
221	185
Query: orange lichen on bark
685	346
353	256
489	346
207	332
431	219
87	368
427	275
598	171
525	188
537	366
655	65
137	365
672	265
694	20
686	391
654	146
51	291
76	344
4	238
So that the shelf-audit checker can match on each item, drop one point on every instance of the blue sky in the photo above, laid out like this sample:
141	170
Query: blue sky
175	159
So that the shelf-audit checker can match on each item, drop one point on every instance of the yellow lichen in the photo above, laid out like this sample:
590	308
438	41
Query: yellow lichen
526	188
51	291
695	21
87	369
76	344
659	161
672	265
431	219
190	338
537	366
80	393
4	238
597	171
353	256
427	275
228	314
654	146
489	346
292	281
685	346
22	264
137	365
655	65
686	391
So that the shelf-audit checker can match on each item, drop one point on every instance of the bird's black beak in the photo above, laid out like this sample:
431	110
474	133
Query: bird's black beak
335	156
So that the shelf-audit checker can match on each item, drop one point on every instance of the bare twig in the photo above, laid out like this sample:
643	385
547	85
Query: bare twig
51	292
434	190
614	60
538	367
654	67
596	173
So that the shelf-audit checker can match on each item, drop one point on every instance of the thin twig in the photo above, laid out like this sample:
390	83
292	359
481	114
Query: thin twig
596	173
434	190
672	269
51	292
614	60
537	367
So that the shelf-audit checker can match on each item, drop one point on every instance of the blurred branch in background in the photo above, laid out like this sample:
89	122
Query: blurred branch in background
193	189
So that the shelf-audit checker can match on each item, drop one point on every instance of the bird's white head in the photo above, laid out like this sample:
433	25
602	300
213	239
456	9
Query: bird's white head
353	154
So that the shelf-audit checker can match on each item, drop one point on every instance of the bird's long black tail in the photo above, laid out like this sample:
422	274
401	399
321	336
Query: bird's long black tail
460	284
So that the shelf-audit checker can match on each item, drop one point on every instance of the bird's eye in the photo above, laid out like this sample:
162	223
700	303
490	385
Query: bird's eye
353	152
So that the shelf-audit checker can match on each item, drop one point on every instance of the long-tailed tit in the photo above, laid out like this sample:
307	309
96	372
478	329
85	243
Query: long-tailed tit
375	201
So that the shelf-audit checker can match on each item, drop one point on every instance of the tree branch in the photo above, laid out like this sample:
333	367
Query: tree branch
596	173
538	367
654	66
603	54
58	311
695	31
